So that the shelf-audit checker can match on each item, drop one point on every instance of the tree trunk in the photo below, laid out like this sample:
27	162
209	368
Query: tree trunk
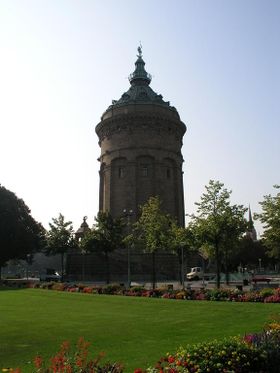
181	266
154	269
107	267
0	273
62	267
226	268
218	272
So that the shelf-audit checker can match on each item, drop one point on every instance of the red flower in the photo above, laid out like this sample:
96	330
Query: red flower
171	359
38	362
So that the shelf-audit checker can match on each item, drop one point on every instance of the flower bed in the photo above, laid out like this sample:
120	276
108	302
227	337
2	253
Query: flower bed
227	295
69	361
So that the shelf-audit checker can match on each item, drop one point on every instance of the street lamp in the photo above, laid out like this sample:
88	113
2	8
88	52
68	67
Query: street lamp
128	214
182	266
260	264
83	252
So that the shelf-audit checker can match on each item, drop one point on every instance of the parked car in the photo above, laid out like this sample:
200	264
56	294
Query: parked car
50	275
195	274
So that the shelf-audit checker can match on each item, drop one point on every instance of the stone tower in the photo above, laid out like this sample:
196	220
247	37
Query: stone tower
140	136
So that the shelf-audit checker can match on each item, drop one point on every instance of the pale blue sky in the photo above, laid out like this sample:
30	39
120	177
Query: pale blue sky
63	61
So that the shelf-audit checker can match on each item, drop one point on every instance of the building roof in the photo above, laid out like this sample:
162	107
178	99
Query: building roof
140	90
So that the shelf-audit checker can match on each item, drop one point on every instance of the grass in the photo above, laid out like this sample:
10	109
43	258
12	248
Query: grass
135	331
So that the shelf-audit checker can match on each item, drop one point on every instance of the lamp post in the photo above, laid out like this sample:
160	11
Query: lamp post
83	264
128	214
28	262
182	266
260	264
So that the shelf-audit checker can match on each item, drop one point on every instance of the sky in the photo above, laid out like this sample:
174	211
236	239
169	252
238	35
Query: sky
63	61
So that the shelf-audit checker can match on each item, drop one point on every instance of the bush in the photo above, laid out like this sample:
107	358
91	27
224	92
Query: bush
259	353
229	355
60	286
268	342
112	289
266	292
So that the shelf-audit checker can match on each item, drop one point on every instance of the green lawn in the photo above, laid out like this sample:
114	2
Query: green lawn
135	331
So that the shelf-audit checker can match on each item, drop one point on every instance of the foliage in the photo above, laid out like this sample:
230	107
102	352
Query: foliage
248	254
229	355
218	224
153	229
66	361
270	217
152	232
20	234
268	343
60	238
266	295
106	236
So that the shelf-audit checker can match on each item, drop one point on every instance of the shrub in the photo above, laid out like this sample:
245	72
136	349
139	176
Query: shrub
181	295
47	285
112	289
266	292
268	342
229	355
60	286
218	294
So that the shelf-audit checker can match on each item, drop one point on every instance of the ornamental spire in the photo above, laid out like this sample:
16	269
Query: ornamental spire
140	75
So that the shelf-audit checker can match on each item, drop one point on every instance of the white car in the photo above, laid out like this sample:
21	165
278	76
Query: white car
195	274
50	275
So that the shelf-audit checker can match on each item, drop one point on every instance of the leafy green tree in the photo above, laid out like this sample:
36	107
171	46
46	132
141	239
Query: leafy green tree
60	239
152	232
219	224
20	234
270	217
183	243
106	236
248	254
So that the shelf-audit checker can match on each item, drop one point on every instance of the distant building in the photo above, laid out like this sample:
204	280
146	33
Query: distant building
84	228
251	232
141	136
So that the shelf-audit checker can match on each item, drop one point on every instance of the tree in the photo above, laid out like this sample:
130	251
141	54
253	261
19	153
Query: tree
182	243
20	234
60	239
105	237
152	232
219	225
270	217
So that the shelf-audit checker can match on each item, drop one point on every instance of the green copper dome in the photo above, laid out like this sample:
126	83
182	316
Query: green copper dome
140	92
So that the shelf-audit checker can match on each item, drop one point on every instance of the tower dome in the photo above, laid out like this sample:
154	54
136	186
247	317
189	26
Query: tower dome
140	136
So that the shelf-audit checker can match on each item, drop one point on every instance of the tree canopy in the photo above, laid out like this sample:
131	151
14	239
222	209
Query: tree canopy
152	232
60	238
105	237
270	217
20	234
219	225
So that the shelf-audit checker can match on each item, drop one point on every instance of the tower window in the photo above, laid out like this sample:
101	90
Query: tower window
168	173
121	172
144	171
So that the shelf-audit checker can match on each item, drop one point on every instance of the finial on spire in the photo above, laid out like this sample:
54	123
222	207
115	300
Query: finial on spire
139	49
140	75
